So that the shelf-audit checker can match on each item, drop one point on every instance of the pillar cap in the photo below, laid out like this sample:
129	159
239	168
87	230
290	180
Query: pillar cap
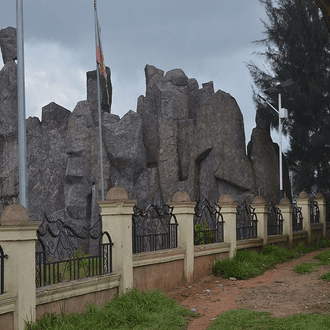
303	194
319	195
14	215
285	201
117	194
259	200
226	199
181	196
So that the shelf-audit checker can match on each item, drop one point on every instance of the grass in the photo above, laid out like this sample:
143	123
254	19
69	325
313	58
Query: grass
155	310
247	264
325	277
246	319
307	268
134	310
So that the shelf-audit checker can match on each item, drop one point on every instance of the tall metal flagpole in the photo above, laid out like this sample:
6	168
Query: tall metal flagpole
21	107
97	43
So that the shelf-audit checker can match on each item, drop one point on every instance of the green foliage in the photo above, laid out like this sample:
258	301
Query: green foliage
134	310
246	319
247	264
324	257
203	234
305	268
297	47
325	277
79	260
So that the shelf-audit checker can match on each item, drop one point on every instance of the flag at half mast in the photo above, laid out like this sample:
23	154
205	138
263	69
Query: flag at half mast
99	55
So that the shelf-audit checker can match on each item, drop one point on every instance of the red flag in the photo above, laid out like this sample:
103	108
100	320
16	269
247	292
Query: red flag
99	55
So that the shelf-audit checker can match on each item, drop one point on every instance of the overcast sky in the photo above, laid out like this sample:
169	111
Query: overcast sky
208	40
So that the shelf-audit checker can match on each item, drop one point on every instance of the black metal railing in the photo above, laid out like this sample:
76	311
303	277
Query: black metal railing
297	218
274	220
3	256
208	223
327	205
61	257
154	229
246	222
314	211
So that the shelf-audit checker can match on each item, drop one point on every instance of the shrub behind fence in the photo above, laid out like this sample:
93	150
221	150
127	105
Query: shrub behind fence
208	223
62	259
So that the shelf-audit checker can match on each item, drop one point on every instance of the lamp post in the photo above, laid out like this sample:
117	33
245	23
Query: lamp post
282	114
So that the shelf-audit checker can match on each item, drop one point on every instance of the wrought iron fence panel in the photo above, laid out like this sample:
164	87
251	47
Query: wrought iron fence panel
274	220
62	259
314	211
246	222
3	256
154	229
208	223
297	218
327	211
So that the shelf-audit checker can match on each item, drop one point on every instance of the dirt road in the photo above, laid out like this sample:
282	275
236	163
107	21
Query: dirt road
280	291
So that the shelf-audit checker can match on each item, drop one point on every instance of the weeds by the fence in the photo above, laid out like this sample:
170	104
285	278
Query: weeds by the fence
134	310
247	319
247	264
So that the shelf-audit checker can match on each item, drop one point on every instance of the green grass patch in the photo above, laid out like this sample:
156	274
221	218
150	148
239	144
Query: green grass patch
246	319
305	268
324	257
134	310
325	277
247	264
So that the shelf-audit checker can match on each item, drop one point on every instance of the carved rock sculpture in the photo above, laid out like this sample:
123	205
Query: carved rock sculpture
8	44
182	137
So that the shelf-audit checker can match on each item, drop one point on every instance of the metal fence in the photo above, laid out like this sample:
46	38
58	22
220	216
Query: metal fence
314	211
246	222
297	218
274	220
208	223
154	229
61	257
3	256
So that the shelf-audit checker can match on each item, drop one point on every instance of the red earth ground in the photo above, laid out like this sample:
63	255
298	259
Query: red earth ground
279	291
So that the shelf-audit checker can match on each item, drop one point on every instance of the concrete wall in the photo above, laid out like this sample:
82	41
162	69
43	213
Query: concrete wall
22	301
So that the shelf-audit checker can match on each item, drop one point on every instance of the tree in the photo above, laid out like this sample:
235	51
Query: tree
297	47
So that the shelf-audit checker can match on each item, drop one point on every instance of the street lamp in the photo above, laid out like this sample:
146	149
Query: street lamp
282	114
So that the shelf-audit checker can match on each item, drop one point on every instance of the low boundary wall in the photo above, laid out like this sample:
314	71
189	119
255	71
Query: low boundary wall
164	269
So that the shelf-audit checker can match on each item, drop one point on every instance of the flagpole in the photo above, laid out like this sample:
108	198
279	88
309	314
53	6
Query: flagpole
97	42
21	107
